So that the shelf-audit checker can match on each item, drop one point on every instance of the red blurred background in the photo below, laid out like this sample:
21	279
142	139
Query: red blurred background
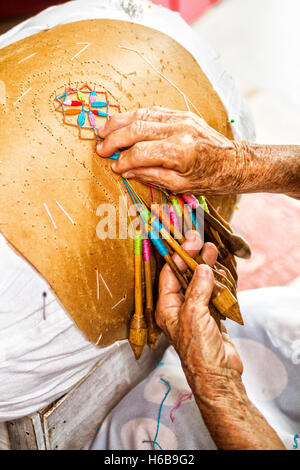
189	9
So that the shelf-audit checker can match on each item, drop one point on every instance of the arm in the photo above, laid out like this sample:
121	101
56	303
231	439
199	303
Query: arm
232	420
182	152
269	168
209	359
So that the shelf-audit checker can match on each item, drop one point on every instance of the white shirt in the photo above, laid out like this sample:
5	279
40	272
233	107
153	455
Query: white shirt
41	359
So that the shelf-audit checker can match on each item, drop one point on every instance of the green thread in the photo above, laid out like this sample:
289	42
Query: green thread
177	207
202	203
138	244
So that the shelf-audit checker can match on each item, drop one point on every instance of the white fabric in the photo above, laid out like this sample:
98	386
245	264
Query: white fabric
41	359
158	18
269	347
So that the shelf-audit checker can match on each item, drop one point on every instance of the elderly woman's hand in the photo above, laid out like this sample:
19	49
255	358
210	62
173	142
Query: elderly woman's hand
176	149
209	359
187	322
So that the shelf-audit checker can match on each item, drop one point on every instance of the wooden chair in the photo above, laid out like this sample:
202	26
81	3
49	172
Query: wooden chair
71	422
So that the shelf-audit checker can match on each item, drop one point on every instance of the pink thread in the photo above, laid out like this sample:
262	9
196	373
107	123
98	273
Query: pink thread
146	249
182	397
93	98
92	120
191	200
173	217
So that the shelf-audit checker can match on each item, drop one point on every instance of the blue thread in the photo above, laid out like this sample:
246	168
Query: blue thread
115	156
101	113
81	118
64	96
296	436
194	220
158	243
160	364
134	198
99	104
156	224
154	442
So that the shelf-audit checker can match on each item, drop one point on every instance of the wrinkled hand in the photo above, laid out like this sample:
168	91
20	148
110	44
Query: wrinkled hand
209	359
186	321
176	149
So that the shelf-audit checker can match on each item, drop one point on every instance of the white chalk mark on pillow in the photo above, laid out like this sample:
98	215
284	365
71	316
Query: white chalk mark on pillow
50	216
23	94
86	44
26	58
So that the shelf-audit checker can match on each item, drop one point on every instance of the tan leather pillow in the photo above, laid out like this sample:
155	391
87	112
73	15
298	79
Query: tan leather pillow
44	165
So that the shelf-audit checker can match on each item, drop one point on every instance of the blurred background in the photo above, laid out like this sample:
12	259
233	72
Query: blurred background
259	43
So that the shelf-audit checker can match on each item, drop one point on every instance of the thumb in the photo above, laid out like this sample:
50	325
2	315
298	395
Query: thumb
200	289
196	325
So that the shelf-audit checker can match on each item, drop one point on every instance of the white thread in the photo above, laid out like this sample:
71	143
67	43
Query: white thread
26	58
25	93
97	280
122	300
186	99
186	102
99	339
65	212
87	44
48	212
105	285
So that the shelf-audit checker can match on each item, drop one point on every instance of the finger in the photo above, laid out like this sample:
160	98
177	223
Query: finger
144	114
170	300
199	334
221	271
200	289
156	153
192	246
137	131
209	253
169	179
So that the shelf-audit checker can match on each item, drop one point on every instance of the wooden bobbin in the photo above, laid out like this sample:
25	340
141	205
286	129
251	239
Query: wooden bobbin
137	334
137	326
153	330
222	298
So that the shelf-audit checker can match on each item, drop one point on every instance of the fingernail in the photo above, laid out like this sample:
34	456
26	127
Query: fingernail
113	166
129	174
99	148
100	129
203	271
191	235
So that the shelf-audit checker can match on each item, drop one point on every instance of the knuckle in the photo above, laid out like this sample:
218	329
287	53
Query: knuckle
142	113
112	121
191	116
171	326
138	149
137	127
145	114
173	186
158	318
155	108
189	124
